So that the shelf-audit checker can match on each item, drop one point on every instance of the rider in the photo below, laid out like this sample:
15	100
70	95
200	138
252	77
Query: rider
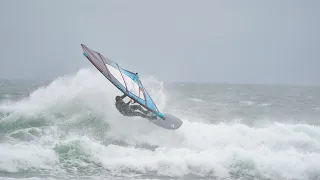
130	110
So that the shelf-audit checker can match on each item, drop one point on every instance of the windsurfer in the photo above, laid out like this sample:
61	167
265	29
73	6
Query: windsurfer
130	110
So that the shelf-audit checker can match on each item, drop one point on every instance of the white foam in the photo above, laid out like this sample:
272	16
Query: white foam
265	104
196	99
22	157
217	150
247	103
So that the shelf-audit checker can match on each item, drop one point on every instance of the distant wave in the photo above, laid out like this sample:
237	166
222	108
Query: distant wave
196	99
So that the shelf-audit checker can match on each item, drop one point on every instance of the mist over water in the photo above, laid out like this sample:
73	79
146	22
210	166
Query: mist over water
70	129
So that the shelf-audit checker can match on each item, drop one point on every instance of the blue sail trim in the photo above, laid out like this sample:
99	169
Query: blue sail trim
133	76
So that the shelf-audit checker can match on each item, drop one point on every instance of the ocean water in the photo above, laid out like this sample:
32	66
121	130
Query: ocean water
69	129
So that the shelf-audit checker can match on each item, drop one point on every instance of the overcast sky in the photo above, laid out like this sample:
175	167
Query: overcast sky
274	41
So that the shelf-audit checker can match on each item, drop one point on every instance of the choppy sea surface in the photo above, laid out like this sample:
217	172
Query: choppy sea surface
69	129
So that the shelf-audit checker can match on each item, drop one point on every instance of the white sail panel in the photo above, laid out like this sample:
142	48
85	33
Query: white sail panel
116	74
132	86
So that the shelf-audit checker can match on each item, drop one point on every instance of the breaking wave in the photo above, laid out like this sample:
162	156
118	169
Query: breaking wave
71	127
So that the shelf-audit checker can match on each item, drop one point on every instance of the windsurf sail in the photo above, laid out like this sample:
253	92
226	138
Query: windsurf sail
125	80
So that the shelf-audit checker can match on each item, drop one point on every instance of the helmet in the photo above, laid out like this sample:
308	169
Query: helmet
117	98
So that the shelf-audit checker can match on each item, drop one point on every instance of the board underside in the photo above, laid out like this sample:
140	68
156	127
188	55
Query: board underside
171	122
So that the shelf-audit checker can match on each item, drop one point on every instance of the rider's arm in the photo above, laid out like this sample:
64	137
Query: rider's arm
123	96
131	101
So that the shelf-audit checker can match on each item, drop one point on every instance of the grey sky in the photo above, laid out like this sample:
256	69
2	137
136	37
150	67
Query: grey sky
220	41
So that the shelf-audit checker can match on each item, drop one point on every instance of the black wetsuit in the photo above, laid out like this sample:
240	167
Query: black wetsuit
130	110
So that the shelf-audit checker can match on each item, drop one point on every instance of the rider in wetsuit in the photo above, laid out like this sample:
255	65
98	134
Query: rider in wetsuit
130	110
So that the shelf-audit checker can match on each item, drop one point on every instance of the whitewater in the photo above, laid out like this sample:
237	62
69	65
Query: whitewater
70	129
